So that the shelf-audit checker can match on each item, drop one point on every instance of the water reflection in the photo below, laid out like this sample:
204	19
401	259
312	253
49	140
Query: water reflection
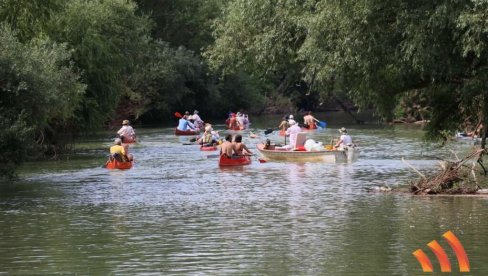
178	212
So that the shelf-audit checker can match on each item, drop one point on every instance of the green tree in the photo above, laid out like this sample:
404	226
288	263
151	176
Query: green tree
28	17
106	37
39	87
373	50
185	23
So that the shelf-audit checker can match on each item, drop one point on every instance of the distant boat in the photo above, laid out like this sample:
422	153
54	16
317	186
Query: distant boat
348	155
208	148
185	132
114	164
461	136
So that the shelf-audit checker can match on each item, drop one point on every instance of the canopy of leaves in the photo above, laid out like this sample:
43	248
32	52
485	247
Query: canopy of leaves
376	51
38	87
106	37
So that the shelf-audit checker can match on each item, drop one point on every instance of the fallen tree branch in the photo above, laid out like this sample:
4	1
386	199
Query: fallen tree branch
414	169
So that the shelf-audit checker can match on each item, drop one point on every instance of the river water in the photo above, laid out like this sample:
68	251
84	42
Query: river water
177	212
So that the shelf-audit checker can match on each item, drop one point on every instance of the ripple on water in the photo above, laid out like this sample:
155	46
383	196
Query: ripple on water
177	212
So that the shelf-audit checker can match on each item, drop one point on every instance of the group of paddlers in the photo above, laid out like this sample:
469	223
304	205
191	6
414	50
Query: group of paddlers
237	121
190	122
309	122
289	127
120	150
233	146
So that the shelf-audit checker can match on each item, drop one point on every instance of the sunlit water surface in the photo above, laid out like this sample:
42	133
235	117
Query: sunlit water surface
177	212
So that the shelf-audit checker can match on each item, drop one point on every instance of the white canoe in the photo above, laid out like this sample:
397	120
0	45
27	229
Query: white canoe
463	137
348	155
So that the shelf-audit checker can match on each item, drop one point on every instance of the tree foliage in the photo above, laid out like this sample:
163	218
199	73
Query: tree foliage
106	38
83	63
39	87
376	51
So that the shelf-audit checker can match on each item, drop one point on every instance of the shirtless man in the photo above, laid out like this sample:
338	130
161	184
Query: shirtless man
226	147
308	120
239	147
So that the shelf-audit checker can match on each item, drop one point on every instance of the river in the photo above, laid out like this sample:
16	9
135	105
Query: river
177	212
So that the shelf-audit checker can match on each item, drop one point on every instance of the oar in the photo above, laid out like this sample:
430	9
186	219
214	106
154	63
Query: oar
321	124
178	115
268	131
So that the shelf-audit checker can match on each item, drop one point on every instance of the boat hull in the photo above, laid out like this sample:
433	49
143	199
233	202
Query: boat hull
185	132
129	141
114	164
337	156
465	138
208	148
239	161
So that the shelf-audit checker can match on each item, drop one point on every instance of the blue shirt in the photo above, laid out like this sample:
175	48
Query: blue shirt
183	125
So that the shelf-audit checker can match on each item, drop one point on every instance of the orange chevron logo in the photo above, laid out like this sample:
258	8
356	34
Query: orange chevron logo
441	255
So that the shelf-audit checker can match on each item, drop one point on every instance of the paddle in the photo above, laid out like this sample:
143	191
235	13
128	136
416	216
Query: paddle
321	124
268	131
178	115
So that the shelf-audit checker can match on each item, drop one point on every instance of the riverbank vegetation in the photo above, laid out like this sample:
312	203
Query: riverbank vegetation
70	67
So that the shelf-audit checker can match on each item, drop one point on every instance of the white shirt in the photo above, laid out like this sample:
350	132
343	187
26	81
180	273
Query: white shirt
240	120
196	118
126	131
346	139
293	131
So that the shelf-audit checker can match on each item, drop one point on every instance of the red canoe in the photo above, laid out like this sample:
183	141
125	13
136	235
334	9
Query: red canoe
114	164
185	132
235	161
208	148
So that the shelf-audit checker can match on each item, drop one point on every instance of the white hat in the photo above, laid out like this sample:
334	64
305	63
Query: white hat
291	122
195	112
118	141
290	117
343	130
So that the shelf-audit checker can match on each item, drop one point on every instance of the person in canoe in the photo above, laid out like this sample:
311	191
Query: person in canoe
184	124
290	117
226	148
208	139
240	121
246	121
117	152
292	131
127	133
344	140
197	121
233	124
309	121
239	147
283	125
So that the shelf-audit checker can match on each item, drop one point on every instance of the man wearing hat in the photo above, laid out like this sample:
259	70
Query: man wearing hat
292	131
344	140
126	133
